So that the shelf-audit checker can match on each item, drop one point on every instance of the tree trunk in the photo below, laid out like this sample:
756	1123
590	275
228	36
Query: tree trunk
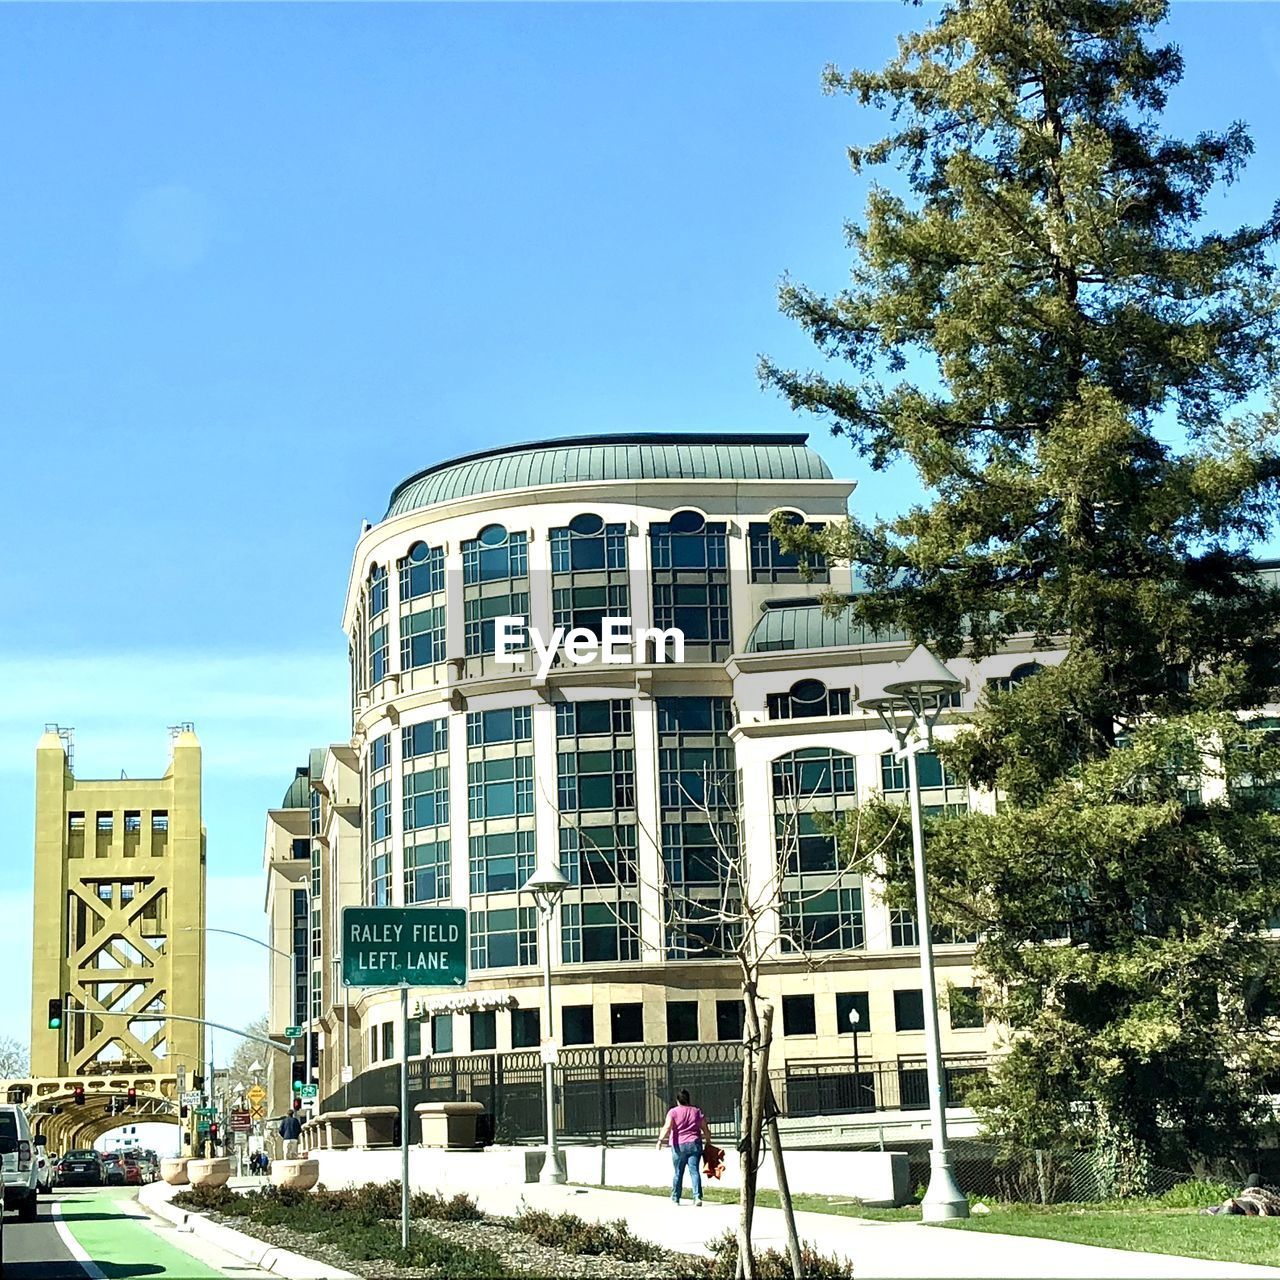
784	1194
755	1084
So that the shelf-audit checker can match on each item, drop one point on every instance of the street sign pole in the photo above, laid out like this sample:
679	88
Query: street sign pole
404	1115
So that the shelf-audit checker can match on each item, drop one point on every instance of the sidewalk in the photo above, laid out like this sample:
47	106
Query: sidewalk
878	1250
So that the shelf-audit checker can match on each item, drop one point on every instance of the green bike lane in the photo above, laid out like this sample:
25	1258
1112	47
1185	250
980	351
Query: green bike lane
119	1239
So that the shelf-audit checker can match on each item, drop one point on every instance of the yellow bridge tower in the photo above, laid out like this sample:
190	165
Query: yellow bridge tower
119	917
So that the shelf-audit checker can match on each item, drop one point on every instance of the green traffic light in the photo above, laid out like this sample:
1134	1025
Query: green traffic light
55	1015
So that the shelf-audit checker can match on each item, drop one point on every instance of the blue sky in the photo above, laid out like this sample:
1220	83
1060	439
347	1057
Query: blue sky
262	262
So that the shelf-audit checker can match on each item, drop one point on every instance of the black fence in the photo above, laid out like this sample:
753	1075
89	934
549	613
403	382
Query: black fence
620	1093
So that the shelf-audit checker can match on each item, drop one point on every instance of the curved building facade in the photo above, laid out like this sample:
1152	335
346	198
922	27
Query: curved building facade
633	775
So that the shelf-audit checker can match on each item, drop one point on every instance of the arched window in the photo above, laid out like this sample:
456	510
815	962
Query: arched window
1024	671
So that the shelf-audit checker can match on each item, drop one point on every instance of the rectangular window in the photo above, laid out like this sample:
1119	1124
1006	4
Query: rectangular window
426	798
578	1023
380	753
379	653
132	821
598	855
159	820
597	718
504	939
599	932
850	1001
501	862
373	1044
526	1028
798	1017
902	929
830	920
604	548
422	638
442	1033
414	1046
503	724
965	1008
75	823
690	584
106	823
500	788
479	622
388	1040
730	1019
592	780
908	1010
893	773
484	1031
380	811
426	872
682	1020
626	1023
424	739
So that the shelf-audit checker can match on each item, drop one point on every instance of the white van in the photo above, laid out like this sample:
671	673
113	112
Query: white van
21	1167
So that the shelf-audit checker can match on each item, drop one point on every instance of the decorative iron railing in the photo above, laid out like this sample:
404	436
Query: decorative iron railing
620	1093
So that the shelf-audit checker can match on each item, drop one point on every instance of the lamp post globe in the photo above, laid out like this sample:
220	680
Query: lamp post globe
909	706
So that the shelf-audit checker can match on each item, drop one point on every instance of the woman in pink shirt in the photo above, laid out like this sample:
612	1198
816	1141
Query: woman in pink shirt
687	1127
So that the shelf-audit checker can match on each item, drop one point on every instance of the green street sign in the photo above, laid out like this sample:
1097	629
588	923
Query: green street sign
202	1126
420	946
206	1113
309	1090
292	1033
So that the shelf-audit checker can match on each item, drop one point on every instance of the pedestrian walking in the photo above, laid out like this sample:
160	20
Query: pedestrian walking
687	1127
290	1132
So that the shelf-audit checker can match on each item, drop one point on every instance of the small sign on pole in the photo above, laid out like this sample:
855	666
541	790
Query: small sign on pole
293	1033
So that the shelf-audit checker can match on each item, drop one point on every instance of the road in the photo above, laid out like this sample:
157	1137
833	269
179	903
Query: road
91	1233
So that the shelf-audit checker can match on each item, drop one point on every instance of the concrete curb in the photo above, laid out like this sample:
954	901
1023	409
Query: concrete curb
257	1253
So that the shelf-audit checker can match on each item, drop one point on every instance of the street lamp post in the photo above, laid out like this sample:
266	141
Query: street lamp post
547	885
921	686
854	1019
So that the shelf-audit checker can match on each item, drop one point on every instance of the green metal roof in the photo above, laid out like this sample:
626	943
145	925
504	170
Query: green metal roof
604	458
299	794
797	624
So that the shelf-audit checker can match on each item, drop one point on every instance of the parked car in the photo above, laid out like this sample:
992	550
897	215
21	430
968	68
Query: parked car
81	1169
21	1170
132	1172
112	1170
45	1166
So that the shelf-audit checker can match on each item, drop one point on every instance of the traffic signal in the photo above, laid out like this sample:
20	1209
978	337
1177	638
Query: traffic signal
184	1112
213	1131
79	1095
197	1082
299	1073
133	1098
55	1013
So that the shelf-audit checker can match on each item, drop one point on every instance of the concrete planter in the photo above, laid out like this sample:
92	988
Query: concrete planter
174	1172
297	1175
209	1173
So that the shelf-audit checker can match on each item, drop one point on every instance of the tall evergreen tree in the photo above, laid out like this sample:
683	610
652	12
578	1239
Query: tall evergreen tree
1040	322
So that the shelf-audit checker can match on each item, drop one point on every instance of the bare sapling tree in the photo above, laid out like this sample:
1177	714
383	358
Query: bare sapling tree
716	901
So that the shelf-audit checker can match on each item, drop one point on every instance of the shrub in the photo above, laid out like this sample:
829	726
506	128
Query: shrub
1196	1193
458	1208
574	1235
771	1264
215	1199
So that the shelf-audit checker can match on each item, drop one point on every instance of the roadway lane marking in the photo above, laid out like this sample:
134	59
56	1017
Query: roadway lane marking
73	1246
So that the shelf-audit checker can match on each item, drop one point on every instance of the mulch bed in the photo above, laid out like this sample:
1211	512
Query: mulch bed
518	1252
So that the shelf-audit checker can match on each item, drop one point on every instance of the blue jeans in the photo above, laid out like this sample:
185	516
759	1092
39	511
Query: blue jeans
687	1153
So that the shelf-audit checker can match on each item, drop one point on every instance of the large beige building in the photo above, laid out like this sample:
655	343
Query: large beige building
464	772
119	915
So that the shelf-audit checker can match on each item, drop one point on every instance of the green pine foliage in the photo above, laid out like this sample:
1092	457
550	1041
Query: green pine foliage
1082	373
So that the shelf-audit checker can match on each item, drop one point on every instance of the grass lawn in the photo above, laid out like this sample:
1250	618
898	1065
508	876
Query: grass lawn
1146	1229
803	1203
1138	1226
